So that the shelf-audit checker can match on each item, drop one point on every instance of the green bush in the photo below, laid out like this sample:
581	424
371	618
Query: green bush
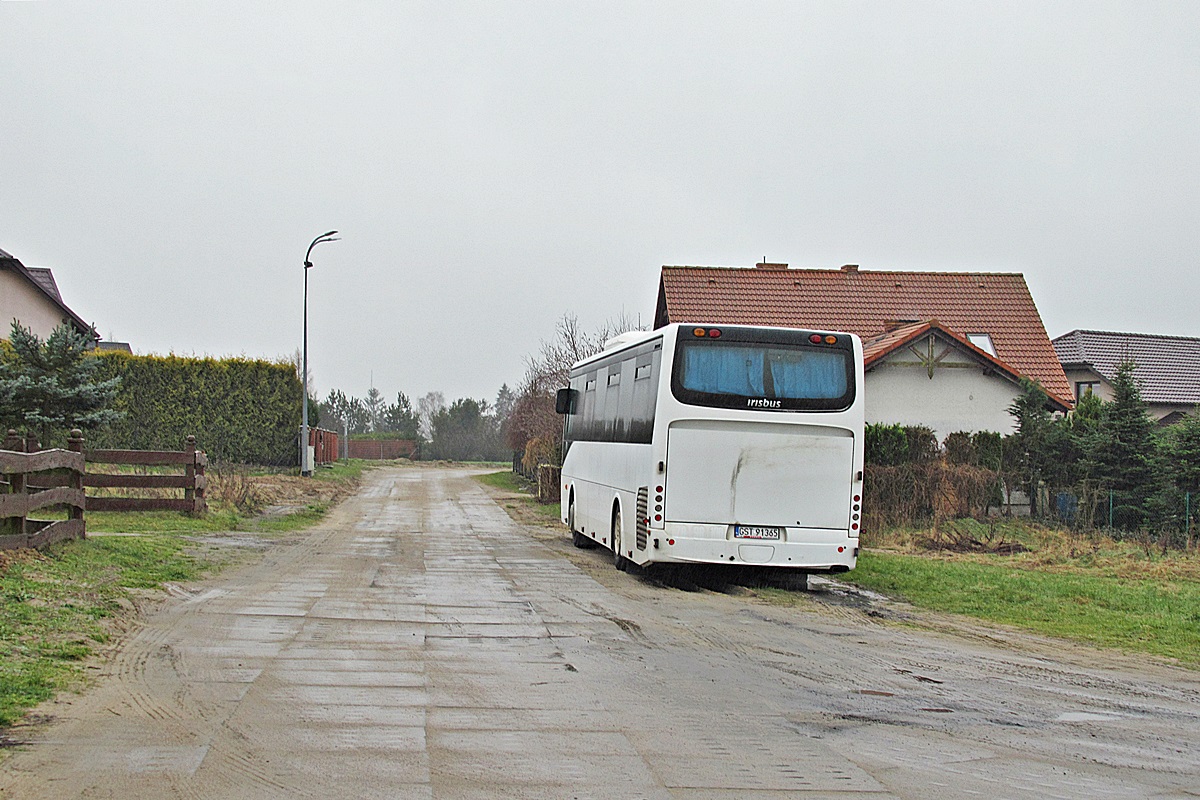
239	410
885	445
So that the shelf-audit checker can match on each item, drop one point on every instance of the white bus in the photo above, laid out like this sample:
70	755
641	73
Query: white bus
717	444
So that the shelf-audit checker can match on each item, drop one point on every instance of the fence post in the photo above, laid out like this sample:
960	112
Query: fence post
32	445
12	441
189	471
75	445
201	489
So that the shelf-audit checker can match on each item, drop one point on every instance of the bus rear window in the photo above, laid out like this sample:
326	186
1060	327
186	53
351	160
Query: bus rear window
744	374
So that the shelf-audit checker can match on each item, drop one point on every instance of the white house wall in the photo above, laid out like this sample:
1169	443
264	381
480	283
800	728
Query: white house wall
25	303
959	397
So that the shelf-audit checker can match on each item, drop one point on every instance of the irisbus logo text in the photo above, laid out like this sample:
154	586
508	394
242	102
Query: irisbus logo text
756	402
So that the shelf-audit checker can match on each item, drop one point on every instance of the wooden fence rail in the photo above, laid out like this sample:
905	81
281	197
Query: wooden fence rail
193	481
38	480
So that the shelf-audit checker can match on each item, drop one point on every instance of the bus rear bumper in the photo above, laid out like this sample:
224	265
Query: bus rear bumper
813	550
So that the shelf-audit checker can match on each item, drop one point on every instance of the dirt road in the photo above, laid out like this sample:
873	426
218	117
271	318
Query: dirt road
420	644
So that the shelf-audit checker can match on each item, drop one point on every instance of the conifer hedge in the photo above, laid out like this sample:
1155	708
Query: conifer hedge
239	409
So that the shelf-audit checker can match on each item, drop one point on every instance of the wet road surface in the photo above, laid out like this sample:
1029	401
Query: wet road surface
419	644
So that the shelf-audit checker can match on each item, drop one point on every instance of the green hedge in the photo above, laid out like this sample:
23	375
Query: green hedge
238	409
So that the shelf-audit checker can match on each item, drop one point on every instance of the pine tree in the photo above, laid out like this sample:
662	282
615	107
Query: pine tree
400	418
50	386
374	404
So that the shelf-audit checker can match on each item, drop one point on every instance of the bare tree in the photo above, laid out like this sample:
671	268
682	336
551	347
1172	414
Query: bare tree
533	424
429	407
547	370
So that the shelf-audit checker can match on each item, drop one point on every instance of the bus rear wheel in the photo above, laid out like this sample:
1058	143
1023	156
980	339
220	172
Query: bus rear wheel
618	560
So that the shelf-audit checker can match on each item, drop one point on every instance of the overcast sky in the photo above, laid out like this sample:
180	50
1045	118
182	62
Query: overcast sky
494	165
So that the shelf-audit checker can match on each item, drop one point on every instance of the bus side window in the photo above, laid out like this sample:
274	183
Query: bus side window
624	426
645	396
612	393
591	411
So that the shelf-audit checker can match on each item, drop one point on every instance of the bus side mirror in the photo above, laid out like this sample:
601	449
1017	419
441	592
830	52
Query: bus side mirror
564	401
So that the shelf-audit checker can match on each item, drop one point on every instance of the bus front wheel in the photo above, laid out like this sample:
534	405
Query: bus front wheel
578	539
618	560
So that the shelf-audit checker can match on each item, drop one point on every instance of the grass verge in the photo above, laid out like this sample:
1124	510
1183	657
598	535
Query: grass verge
60	605
526	508
1155	615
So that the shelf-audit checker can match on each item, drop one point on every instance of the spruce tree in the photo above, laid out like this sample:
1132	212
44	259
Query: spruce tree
50	386
1030	441
1123	450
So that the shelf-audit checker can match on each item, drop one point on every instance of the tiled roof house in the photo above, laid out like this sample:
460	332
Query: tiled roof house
30	296
977	333
1166	368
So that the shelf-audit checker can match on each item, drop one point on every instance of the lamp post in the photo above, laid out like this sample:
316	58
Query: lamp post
305	466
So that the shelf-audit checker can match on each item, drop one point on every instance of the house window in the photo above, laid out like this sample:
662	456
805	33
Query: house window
983	341
1086	387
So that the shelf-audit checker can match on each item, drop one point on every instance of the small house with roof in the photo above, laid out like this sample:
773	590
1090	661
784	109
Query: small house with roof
1166	368
942	349
30	296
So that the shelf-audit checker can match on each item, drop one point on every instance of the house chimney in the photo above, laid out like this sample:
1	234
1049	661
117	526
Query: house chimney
849	267
765	265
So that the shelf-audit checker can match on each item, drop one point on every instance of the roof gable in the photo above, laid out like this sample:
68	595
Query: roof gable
1166	368
871	303
878	348
43	280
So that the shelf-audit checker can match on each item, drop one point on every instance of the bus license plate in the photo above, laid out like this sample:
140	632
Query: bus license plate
756	532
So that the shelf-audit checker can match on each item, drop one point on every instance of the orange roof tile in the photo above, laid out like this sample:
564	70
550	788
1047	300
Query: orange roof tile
870	303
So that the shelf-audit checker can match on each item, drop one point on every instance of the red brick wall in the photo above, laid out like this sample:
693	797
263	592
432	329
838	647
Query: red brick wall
382	449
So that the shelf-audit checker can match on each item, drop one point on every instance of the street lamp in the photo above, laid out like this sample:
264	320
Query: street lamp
305	466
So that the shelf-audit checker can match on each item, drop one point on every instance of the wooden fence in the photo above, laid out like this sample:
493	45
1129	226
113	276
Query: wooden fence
61	470
193	481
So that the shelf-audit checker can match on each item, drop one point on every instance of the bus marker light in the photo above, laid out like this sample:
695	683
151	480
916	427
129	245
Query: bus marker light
815	338
854	527
841	549
830	340
658	489
699	332
857	498
670	541
714	334
658	517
